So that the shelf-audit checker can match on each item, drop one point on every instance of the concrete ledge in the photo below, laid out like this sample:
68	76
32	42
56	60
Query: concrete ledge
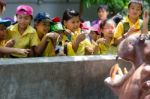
4	61
79	77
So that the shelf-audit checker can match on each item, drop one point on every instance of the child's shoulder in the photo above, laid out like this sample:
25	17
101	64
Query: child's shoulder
13	27
31	29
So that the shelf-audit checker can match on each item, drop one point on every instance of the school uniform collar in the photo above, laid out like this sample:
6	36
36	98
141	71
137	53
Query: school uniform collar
128	20
28	29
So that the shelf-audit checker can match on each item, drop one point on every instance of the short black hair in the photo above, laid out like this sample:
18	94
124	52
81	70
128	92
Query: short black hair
137	3
68	14
102	7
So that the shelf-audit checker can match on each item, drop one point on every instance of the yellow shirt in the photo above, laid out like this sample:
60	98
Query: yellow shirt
107	49
49	50
27	40
2	43
70	51
82	45
119	31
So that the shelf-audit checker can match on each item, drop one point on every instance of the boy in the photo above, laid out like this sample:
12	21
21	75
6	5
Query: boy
22	32
6	50
47	40
131	23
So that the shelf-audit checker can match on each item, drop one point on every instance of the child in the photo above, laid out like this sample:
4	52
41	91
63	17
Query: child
42	26
2	6
3	43
71	36
88	46
131	23
105	42
102	12
22	32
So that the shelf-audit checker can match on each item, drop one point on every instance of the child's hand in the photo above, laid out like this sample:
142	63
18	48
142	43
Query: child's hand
132	30
81	37
89	50
101	40
53	36
23	51
145	17
10	43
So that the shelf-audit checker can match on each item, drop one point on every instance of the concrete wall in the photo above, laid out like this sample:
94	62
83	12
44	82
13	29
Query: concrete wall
56	78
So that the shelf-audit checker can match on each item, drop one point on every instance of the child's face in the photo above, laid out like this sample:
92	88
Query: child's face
134	10
23	20
102	14
43	27
108	29
73	24
2	32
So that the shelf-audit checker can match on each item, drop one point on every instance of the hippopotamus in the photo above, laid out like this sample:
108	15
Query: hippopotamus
136	83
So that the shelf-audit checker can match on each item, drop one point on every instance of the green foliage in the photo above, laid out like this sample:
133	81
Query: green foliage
114	5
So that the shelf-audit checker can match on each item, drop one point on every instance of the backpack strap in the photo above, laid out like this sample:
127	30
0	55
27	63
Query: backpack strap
141	23
126	25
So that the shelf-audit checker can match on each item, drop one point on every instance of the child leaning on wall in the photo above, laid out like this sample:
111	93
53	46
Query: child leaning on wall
22	32
5	50
71	35
131	23
47	39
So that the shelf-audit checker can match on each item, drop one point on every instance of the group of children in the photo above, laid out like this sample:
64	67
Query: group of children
70	37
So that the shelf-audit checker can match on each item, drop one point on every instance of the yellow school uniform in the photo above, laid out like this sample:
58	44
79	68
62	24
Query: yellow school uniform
49	50
2	43
82	45
70	51
120	28
27	40
107	49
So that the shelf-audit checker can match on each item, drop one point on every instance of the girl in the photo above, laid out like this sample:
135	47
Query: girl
105	42
102	12
71	36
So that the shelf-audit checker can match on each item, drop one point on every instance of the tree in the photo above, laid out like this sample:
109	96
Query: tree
114	5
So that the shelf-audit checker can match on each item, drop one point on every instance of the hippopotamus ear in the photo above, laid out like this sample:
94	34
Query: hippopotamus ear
125	49
142	38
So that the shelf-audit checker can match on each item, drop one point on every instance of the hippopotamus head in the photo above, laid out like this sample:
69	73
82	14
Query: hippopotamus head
135	48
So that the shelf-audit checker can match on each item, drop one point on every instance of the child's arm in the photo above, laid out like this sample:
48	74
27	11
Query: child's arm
76	42
49	36
125	35
10	43
7	50
145	22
